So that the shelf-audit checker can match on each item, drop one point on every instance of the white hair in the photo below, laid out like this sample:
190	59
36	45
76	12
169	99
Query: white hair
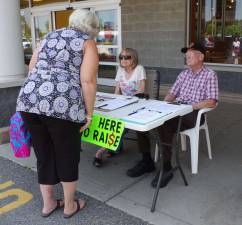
85	21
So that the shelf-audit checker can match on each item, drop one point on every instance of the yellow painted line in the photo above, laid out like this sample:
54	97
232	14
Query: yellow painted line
6	184
22	198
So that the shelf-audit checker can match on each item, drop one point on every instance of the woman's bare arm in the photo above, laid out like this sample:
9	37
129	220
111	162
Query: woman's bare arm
88	76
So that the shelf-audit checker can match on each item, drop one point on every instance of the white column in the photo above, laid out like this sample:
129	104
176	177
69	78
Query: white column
12	66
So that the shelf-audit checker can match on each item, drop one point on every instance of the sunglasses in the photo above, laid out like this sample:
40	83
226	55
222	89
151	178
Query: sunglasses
125	57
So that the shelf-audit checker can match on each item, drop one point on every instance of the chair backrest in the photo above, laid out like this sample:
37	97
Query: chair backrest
152	86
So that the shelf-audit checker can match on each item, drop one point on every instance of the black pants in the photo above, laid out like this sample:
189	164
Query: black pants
57	145
143	142
167	132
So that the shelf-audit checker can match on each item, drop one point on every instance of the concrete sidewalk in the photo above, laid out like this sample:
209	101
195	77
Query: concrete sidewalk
213	197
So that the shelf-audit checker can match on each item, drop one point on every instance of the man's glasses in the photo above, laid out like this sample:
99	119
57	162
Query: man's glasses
125	57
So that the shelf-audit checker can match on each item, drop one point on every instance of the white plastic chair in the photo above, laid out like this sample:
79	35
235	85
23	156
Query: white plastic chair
193	134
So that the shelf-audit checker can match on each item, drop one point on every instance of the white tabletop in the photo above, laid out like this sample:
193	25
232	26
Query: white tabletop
141	103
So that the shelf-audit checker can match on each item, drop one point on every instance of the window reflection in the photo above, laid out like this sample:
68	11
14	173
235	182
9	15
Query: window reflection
108	27
106	71
107	42
107	54
218	24
26	35
42	27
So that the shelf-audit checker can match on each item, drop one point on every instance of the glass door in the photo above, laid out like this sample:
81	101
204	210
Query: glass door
45	19
41	23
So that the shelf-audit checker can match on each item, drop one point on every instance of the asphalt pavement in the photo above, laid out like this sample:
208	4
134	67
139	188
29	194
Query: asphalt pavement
19	188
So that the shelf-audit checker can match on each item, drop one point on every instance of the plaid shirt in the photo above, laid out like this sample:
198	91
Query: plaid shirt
192	88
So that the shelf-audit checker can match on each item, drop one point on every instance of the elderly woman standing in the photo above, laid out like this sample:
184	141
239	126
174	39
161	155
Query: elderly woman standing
56	102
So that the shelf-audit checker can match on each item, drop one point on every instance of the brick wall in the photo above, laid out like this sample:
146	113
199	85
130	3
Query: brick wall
156	29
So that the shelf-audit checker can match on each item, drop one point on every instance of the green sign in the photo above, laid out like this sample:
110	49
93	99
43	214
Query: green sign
104	131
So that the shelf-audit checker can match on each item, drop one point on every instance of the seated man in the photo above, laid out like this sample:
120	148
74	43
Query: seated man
198	86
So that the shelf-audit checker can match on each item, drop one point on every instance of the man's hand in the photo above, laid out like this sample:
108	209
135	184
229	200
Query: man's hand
170	98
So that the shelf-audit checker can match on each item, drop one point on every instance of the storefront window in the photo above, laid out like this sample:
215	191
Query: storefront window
55	16
42	27
218	24
107	42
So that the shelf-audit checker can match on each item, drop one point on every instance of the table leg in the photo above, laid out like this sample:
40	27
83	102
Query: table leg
156	193
178	166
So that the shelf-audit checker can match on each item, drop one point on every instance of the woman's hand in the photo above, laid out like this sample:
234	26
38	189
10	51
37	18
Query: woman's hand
87	124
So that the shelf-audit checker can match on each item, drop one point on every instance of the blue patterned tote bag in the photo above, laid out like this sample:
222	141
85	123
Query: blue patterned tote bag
20	138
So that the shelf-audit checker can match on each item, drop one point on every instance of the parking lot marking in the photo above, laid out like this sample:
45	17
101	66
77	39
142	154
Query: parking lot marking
6	185
22	198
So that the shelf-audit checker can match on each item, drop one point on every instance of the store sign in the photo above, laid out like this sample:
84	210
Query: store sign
104	131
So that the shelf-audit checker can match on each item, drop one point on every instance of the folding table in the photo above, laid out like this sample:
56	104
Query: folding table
124	111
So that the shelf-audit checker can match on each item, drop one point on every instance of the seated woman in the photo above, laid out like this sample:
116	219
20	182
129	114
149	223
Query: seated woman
130	80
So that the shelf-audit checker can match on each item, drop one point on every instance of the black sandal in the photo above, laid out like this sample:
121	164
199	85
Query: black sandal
78	208
97	162
58	206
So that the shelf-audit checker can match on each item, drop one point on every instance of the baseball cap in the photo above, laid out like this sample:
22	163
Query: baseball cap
195	46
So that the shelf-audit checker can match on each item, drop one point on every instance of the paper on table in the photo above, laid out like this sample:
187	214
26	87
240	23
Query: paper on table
102	99
144	116
104	96
114	103
117	103
163	107
99	104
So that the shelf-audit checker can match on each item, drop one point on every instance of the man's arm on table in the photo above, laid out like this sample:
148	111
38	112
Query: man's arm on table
210	103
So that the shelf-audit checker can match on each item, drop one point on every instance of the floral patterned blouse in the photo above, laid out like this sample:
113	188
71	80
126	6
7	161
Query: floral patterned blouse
53	87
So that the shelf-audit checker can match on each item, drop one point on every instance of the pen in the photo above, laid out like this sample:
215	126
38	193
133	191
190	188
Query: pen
136	111
102	106
174	103
150	110
132	113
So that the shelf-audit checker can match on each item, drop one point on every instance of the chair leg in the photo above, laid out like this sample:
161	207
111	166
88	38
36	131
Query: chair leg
208	142
183	142
194	153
